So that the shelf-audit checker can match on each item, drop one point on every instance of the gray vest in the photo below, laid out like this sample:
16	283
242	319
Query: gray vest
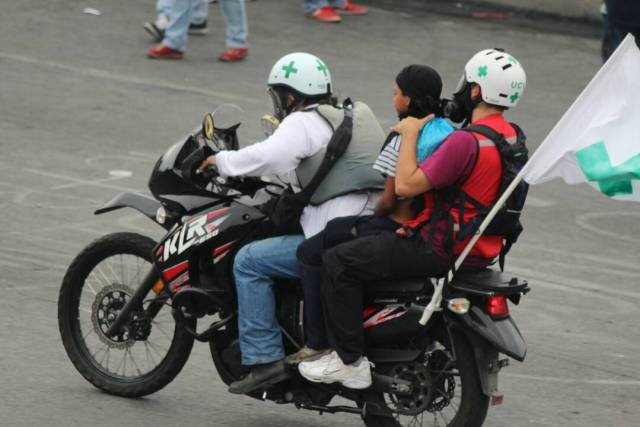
354	170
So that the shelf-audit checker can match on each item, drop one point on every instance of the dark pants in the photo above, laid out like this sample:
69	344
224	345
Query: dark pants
310	253
613	34
347	268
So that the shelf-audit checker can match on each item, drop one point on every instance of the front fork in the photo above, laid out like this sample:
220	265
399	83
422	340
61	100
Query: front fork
135	303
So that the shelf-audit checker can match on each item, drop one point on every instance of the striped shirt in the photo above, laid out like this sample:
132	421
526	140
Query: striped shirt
388	158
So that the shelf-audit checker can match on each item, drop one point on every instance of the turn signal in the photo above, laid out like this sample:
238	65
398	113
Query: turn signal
459	305
158	287
497	306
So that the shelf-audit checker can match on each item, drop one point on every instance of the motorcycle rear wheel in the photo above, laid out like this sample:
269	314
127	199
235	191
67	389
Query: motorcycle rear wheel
92	292
471	410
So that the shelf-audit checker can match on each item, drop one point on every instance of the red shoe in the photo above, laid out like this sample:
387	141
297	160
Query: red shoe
350	8
233	54
325	14
164	52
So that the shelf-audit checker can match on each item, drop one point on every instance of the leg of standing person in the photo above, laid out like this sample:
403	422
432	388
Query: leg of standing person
156	28
320	10
236	30
199	15
348	7
175	36
255	266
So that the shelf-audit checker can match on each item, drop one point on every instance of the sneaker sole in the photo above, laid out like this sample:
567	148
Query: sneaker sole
165	56
271	381
357	385
153	32
354	385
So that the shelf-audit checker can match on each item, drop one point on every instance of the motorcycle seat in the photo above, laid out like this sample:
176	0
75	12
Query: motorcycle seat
399	287
489	281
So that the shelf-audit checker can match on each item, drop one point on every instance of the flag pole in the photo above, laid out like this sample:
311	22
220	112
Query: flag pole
436	299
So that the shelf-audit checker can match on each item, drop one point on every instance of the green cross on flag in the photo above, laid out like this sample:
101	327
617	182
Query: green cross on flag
289	69
612	181
597	141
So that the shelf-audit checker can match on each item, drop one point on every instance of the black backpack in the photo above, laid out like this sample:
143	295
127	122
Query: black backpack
506	223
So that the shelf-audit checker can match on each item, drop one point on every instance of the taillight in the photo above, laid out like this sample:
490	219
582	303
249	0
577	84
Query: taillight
497	306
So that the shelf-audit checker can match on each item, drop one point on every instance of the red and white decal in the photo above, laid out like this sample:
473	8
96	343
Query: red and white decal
384	315
180	281
194	232
172	272
221	251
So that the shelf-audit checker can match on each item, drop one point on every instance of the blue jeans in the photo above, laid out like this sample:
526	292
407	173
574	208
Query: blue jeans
181	15
254	267
199	11
311	5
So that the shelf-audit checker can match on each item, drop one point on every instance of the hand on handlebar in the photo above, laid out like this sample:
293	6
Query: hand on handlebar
208	167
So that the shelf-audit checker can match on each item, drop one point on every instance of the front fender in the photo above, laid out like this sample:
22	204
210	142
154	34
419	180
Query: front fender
143	203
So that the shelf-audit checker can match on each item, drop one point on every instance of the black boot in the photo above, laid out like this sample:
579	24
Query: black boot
260	376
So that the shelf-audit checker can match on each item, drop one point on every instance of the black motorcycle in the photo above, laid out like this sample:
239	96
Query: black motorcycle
129	306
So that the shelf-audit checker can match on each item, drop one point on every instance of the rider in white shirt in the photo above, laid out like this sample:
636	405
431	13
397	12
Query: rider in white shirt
300	87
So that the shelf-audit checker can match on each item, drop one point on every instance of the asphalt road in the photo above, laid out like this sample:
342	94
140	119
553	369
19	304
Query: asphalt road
80	103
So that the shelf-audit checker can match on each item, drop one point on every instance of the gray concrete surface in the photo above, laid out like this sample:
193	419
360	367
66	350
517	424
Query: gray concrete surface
585	9
78	99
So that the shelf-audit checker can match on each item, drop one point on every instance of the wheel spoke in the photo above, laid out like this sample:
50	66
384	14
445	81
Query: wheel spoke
135	365
165	333
155	347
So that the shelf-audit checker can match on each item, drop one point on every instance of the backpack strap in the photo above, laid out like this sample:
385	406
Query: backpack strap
336	147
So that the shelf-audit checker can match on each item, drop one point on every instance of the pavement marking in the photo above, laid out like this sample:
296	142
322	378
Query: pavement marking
77	183
29	263
582	220
119	173
95	183
122	78
580	287
631	383
538	203
582	256
21	193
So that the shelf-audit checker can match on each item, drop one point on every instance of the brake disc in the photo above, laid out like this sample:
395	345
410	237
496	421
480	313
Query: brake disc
104	311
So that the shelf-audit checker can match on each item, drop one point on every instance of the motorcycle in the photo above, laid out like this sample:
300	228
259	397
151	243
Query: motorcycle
129	307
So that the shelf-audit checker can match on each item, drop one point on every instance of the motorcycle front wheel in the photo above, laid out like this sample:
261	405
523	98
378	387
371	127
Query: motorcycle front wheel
447	390
149	351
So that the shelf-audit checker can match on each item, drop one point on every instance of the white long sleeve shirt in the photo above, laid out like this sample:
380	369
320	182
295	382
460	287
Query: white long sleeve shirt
300	135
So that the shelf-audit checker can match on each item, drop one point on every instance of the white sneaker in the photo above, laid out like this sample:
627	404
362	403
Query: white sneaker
330	369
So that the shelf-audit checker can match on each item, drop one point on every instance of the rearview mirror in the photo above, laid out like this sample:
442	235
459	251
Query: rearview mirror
269	124
208	126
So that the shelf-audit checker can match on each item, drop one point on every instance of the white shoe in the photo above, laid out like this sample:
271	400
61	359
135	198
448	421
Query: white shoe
330	369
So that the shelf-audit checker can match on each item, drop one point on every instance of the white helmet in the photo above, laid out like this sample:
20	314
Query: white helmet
499	75
302	72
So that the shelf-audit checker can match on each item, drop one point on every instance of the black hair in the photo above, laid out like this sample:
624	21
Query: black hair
423	85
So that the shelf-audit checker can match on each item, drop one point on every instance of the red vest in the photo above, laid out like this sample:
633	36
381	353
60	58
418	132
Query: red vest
482	184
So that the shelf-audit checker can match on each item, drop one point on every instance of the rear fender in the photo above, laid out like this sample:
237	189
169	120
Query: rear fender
503	334
143	203
490	337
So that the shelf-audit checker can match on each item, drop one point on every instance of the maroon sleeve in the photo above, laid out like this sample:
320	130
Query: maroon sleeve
452	161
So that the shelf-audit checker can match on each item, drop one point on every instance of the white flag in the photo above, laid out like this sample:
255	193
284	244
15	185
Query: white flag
598	139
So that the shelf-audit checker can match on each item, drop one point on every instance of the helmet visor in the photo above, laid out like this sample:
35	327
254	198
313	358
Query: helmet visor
279	111
462	83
